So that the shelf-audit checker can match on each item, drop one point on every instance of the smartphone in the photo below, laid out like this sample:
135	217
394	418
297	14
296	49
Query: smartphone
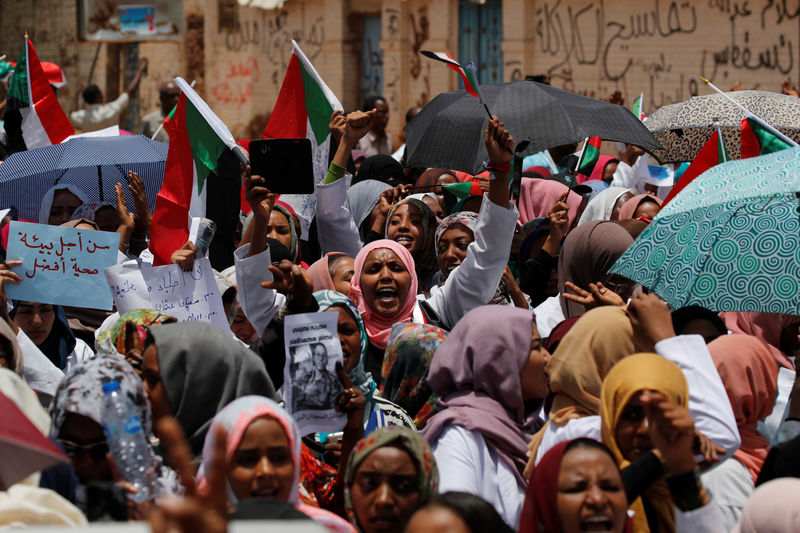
285	164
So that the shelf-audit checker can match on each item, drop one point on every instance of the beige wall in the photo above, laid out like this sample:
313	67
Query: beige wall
593	47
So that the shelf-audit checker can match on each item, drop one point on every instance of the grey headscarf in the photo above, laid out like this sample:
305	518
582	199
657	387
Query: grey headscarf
203	370
362	199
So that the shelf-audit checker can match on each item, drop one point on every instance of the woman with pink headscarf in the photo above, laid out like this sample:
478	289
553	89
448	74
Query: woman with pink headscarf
750	376
537	197
262	436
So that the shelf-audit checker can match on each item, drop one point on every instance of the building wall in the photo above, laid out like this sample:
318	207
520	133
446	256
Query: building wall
654	47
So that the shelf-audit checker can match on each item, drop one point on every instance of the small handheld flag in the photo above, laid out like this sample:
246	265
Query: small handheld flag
589	155
757	140
638	107
467	74
710	155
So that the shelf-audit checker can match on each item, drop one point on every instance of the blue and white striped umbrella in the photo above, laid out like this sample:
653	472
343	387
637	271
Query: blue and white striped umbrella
95	164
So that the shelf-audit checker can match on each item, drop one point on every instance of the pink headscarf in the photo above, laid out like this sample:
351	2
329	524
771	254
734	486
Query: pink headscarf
599	169
772	508
766	326
378	328
235	418
537	197
321	274
629	208
750	375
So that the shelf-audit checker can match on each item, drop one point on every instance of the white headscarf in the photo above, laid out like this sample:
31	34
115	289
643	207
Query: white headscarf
601	206
47	201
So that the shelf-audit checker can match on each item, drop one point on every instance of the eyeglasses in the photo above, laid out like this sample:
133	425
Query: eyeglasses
96	450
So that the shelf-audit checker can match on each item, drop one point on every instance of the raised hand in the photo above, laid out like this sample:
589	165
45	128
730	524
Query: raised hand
261	200
596	296
8	276
499	143
651	318
200	511
292	280
143	214
351	401
671	431
184	257
357	125
336	125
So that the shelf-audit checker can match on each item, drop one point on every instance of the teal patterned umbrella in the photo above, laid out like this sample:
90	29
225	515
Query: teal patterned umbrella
730	241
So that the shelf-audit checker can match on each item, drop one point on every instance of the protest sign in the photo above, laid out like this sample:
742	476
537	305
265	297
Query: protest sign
310	382
187	296
61	266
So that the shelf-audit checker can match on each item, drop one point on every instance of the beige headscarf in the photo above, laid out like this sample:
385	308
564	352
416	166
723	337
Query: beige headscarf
601	338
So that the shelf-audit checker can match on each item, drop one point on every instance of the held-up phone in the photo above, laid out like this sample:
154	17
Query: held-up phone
285	165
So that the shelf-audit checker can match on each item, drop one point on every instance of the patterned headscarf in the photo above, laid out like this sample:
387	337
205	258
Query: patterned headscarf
413	443
81	391
235	418
112	341
89	209
405	366
360	377
467	219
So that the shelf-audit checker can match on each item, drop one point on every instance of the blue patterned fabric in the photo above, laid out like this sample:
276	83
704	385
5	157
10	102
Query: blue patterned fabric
730	241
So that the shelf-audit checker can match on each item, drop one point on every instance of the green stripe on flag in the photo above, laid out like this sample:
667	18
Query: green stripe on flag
206	145
590	156
317	106
769	141
18	88
459	190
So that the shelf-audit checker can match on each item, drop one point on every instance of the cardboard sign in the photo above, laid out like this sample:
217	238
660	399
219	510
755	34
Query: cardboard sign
187	296
61	266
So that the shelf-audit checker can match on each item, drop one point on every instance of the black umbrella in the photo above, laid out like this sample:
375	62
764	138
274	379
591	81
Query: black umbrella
448	132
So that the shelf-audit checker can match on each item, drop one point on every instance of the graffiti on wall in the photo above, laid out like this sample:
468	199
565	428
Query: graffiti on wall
661	47
238	81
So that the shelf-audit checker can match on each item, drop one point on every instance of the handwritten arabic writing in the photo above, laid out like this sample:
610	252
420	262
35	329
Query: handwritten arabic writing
62	265
187	296
55	256
660	47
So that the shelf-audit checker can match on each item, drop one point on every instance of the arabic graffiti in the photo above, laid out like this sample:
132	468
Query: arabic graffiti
239	79
660	48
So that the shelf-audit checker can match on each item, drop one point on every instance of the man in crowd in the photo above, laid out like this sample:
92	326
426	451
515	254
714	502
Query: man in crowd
168	95
98	115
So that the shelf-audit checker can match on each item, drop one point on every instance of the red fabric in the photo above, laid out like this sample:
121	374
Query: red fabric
43	99
289	119
170	225
707	157
542	171
750	145
598	170
541	496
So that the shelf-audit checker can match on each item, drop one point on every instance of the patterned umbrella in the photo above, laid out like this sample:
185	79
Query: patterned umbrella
683	128
95	164
449	131
730	241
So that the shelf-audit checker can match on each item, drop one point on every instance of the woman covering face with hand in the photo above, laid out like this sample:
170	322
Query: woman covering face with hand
263	456
390	474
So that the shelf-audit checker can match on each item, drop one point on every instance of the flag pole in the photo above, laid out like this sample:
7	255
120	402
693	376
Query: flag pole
473	68
752	115
161	126
722	144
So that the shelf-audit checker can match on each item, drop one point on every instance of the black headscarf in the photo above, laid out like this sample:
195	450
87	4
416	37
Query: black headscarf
381	167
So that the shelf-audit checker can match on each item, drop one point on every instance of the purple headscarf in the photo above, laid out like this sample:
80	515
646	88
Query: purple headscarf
476	374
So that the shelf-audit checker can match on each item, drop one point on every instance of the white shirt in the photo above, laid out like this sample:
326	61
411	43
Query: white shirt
99	116
548	315
708	402
258	304
730	484
467	464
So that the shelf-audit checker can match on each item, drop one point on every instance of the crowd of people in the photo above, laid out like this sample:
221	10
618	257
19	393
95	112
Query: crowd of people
495	376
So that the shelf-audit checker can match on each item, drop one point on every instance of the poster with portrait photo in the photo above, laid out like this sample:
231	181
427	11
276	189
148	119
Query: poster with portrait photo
310	384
